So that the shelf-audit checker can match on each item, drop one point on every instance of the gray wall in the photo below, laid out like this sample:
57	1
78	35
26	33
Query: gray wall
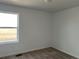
34	31
65	31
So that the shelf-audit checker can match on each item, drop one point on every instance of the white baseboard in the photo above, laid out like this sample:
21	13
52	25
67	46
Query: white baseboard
23	51
67	53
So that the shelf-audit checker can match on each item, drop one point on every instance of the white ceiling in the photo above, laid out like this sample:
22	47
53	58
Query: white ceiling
54	5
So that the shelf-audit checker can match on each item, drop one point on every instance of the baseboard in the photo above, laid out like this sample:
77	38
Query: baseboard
24	51
66	52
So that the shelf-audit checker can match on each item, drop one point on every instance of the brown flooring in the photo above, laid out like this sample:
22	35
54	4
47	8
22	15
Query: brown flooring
47	53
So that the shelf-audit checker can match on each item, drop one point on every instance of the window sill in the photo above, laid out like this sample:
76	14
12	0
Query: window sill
9	42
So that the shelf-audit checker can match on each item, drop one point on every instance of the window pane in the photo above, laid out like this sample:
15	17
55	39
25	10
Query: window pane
8	34
8	20
8	27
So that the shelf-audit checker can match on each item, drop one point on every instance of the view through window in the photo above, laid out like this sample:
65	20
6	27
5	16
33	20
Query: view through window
8	27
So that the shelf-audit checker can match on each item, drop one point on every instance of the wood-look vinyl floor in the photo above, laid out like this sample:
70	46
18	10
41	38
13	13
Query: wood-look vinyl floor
47	53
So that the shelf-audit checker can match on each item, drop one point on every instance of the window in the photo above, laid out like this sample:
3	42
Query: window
8	27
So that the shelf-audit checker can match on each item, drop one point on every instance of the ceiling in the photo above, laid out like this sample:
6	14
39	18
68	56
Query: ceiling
51	5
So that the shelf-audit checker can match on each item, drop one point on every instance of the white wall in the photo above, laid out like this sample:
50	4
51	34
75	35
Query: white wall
65	31
34	30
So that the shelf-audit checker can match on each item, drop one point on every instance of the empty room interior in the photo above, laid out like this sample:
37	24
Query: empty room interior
39	29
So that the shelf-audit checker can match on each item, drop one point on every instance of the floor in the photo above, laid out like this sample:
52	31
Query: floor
47	53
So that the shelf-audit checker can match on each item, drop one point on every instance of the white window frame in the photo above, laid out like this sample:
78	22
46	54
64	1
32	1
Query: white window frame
17	28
